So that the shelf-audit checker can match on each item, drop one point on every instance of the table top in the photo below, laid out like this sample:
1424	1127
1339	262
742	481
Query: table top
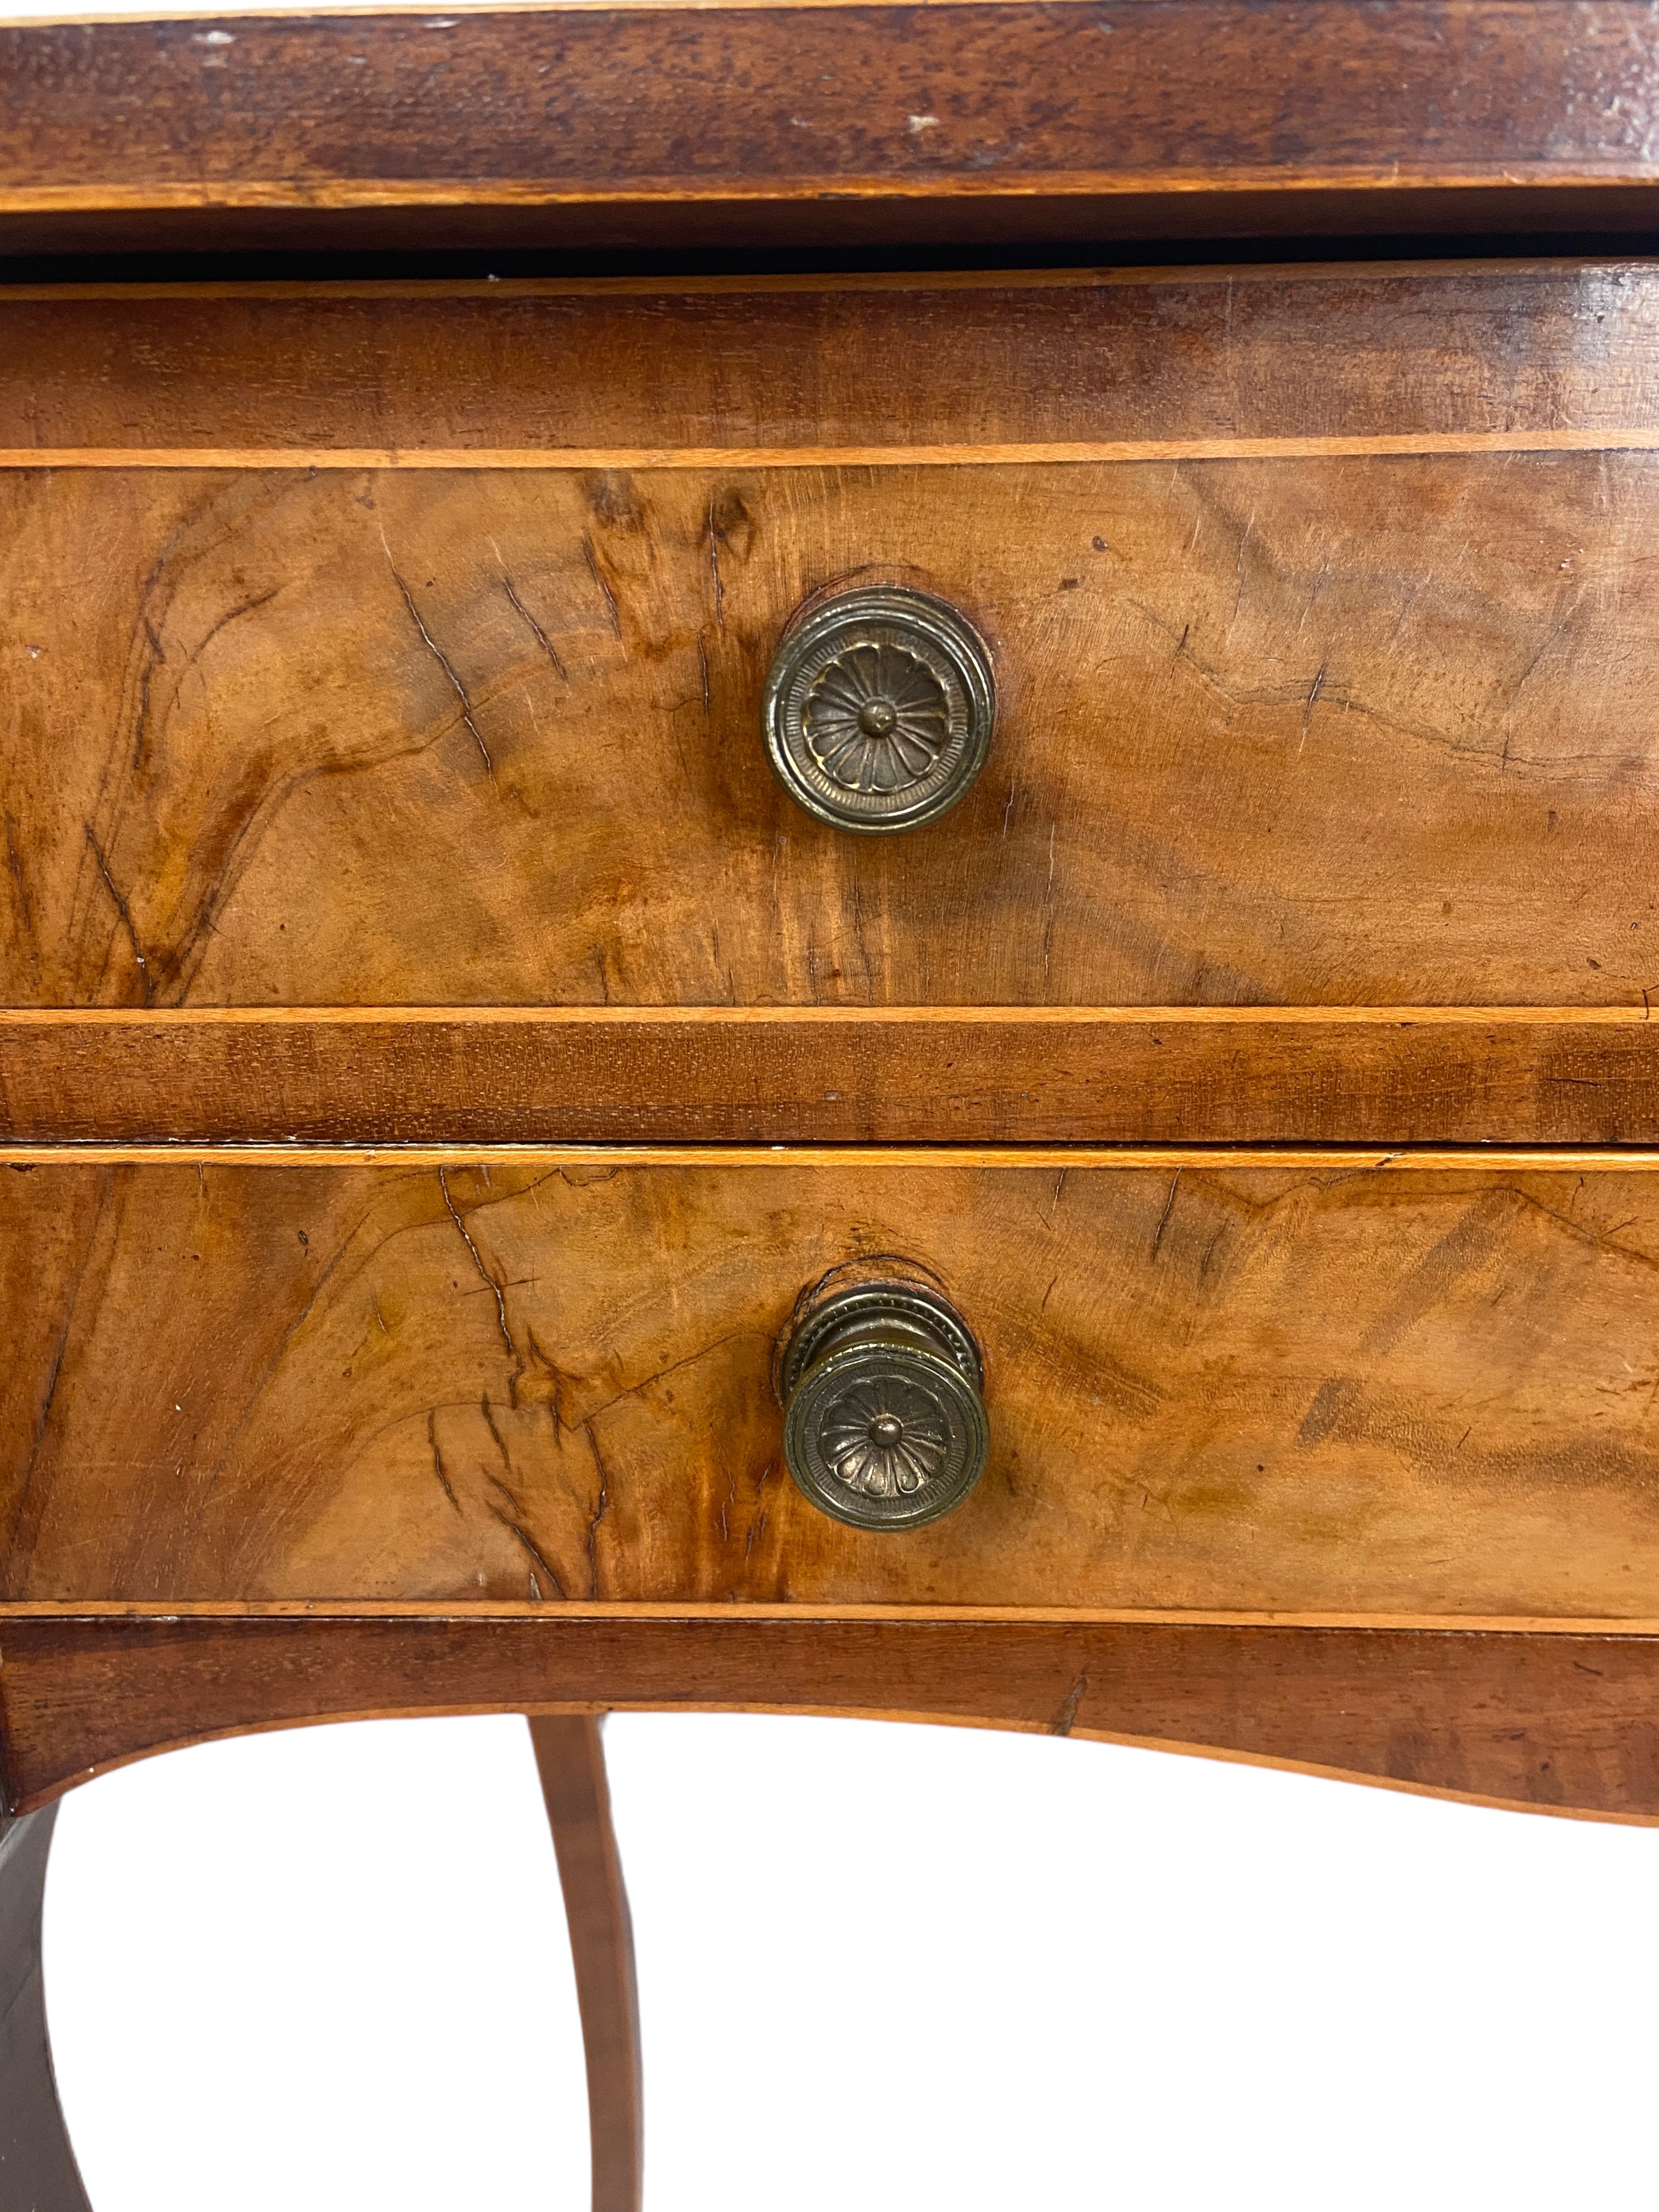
827	126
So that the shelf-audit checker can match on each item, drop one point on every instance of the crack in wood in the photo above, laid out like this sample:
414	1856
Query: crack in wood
477	1260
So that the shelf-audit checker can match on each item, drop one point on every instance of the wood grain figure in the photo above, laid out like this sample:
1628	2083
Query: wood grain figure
1542	1723
451	1094
305	1077
697	371
849	124
570	1760
1325	1390
1356	732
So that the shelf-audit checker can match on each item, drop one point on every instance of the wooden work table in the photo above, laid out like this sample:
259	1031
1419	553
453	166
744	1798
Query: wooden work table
742	973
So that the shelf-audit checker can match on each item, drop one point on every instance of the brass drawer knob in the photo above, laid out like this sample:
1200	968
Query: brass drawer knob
879	709
883	1422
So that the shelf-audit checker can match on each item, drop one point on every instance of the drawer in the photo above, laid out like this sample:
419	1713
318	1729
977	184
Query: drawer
385	651
1312	1385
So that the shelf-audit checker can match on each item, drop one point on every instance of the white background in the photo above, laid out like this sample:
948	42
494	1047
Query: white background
881	1966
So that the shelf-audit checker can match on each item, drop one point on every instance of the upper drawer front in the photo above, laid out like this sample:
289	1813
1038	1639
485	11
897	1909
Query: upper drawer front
1226	1386
411	650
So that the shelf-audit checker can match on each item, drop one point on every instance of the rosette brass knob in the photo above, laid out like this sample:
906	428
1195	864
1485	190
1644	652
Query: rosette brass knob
879	709
883	1422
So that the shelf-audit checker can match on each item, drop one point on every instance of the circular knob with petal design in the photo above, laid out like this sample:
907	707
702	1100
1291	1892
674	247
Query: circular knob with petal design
883	1422
879	709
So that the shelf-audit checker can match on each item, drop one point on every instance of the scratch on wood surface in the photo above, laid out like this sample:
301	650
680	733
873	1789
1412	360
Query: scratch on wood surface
444	1482
442	657
534	628
755	1526
715	566
248	606
1238	570
122	909
511	1519
1314	692
597	574
673	1366
1319	583
1169	1208
856	902
1048	902
43	1419
599	1511
25	907
496	1436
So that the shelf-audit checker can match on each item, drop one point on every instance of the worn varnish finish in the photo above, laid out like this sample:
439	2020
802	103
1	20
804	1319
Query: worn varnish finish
1321	1389
690	125
1363	730
1551	1724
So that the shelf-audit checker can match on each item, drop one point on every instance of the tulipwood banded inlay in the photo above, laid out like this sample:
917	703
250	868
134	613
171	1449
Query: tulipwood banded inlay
1287	362
401	1076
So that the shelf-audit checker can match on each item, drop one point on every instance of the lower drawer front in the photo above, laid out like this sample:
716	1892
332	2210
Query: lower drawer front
1313	1388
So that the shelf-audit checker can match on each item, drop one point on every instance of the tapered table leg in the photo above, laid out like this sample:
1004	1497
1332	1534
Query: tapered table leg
571	1761
38	2172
